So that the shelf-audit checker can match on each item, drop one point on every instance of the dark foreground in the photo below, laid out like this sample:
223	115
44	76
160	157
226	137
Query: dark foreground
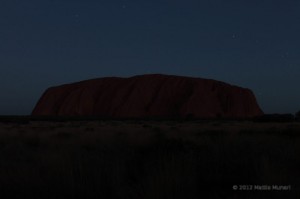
151	160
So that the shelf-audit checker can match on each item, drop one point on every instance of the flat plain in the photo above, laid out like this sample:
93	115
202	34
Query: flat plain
149	159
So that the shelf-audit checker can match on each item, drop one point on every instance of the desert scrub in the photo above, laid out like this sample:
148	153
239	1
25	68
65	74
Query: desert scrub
92	165
216	124
32	142
173	128
62	135
146	126
290	132
90	129
115	123
157	129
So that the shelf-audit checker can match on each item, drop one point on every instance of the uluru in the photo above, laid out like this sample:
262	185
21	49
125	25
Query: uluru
149	96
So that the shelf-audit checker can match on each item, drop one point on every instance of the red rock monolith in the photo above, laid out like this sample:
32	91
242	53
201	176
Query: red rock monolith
149	96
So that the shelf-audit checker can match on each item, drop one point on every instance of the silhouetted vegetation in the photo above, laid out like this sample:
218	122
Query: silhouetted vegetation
275	118
25	119
297	116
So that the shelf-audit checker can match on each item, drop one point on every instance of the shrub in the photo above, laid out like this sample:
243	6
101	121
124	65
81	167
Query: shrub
297	116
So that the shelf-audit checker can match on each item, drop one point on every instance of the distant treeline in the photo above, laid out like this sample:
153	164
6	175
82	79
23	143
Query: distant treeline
27	118
276	118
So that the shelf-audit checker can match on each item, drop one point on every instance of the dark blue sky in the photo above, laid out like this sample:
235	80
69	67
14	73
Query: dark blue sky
253	44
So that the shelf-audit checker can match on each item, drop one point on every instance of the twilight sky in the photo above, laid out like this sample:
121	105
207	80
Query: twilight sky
249	43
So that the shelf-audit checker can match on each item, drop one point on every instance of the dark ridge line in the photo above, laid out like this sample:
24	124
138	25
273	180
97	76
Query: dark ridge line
28	118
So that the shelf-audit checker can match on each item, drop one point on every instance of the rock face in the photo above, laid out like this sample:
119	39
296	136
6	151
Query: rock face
149	96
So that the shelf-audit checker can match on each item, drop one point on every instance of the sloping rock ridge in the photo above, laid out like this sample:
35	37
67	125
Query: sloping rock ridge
149	96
